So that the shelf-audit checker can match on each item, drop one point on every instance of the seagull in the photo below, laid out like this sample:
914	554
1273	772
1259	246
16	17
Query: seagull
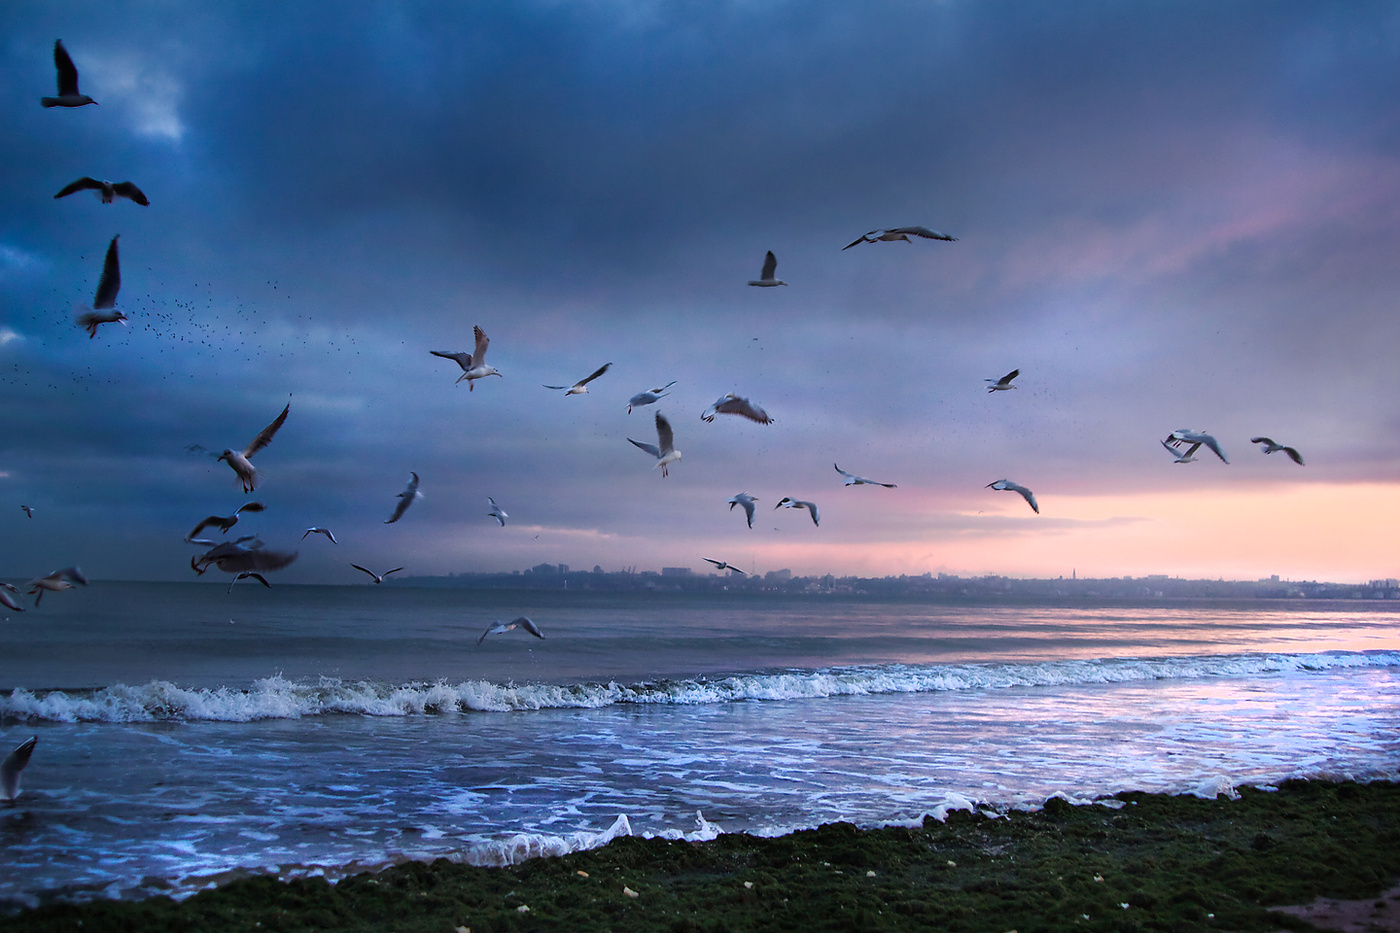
1182	456
498	513
666	453
731	404
1008	486
1271	447
9	601
55	582
107	190
11	767
649	396
722	565
240	461
245	575
853	480
106	297
28	510
765	278
746	501
581	387
501	627
378	577
788	503
244	554
406	498
1004	383
900	233
319	531
473	364
68	95
1183	435
225	522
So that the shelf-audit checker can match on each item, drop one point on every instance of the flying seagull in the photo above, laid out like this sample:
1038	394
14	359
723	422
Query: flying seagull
245	575
1271	447
56	582
649	396
68	95
1008	486
240	461
1183	435
746	501
732	404
900	233
225	522
770	267
1182	456
722	565
106	297
319	531
473	364
406	498
788	503
581	387
501	627
1004	383
28	510
245	554
107	190
666	452
498	513
378	577
12	766
853	480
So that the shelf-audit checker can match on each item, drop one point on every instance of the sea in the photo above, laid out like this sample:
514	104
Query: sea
189	734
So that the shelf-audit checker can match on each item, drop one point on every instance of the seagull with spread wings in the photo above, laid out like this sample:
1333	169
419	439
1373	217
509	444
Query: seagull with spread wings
240	460
68	95
496	512
665	451
378	577
649	396
406	498
1007	486
853	480
1271	447
790	503
766	278
473	364
731	404
502	627
106	190
1185	436
724	565
106	297
900	233
581	387
746	501
225	522
1004	383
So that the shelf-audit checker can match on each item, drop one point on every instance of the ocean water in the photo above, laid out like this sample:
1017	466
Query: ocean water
188	734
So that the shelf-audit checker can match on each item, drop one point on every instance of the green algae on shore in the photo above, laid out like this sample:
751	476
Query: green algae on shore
1156	862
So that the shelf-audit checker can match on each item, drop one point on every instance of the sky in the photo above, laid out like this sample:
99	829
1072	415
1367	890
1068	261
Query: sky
1169	215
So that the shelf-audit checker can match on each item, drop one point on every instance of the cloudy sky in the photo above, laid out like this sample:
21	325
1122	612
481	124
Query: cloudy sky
1170	215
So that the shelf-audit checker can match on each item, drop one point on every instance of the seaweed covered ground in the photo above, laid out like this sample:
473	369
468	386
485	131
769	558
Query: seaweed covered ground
1156	863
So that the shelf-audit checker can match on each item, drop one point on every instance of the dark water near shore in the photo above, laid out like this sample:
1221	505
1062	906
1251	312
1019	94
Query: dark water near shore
185	731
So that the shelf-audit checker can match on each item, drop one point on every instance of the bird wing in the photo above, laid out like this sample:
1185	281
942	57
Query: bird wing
924	232
255	559
111	280
770	266
850	477
265	435
82	184
1028	495
864	238
495	629
811	507
127	190
594	375
395	570
482	342
405	500
67	71
1006	380
1268	441
256	576
647	447
665	387
9	601
528	626
1214	445
250	507
463	360
717	563
664	435
1296	457
13	764
366	570
211	520
734	405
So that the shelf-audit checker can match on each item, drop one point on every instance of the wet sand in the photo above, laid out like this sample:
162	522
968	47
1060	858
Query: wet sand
1154	863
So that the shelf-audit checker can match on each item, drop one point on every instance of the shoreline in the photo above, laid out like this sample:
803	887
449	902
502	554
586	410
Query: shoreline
1157	862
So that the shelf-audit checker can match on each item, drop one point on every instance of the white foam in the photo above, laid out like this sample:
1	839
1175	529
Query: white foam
278	698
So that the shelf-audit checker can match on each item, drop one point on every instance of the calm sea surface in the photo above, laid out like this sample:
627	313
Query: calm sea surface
186	733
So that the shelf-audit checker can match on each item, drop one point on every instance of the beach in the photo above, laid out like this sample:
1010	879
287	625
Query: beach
1131	862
